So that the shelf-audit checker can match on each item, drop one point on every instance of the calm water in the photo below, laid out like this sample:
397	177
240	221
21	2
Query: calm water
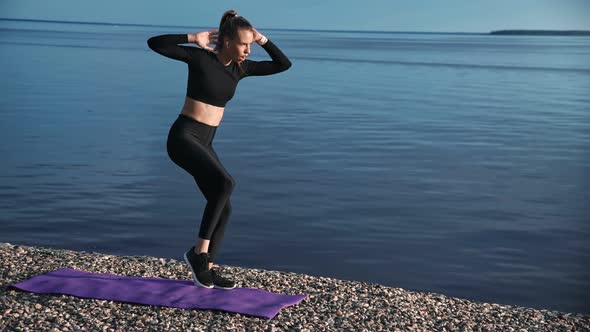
451	163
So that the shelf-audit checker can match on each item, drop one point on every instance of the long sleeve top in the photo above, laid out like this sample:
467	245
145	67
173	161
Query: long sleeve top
209	80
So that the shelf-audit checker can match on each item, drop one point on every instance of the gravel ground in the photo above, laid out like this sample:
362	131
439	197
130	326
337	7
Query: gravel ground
332	305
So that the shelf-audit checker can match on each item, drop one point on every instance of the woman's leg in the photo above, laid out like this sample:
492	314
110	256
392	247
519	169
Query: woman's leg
213	180
219	231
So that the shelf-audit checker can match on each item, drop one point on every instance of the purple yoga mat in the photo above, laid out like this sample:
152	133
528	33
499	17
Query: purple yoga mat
158	291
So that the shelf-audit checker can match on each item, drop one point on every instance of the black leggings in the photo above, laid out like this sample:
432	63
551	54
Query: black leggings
189	146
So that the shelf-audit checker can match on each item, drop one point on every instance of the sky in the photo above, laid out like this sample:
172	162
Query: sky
376	15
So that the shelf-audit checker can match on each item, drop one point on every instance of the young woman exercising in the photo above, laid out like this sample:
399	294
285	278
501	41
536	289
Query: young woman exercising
213	75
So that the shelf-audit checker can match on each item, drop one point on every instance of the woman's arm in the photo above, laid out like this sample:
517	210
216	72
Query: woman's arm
279	62
167	45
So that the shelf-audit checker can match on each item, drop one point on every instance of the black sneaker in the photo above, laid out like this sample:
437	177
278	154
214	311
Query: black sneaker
199	266
221	282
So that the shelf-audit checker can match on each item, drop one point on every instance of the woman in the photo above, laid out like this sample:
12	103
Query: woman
213	75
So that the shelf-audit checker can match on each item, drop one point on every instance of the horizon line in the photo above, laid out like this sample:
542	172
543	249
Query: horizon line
190	26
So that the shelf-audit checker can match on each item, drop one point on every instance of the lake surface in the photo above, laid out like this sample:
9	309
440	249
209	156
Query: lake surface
448	163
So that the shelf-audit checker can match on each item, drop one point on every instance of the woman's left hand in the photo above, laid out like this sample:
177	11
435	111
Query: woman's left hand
257	35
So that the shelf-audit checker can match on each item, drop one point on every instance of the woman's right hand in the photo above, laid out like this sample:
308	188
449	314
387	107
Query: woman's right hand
204	38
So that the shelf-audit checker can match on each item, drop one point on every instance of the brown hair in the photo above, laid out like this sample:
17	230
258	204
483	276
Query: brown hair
229	25
228	28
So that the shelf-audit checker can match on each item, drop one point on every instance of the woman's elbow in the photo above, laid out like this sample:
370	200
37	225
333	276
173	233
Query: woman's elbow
286	65
153	44
150	43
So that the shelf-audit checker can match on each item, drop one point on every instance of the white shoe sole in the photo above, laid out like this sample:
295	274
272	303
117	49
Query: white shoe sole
195	281
219	287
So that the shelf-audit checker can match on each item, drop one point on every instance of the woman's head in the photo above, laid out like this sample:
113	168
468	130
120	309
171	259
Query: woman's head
235	36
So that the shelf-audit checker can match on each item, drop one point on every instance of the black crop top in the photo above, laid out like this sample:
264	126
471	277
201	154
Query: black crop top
208	79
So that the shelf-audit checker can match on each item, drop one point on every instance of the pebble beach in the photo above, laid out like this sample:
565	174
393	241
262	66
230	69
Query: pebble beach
331	305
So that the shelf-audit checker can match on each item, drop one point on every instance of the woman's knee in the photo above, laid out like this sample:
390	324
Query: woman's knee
227	185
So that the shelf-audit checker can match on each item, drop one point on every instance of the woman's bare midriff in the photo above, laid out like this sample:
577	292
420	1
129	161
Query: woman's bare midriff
202	112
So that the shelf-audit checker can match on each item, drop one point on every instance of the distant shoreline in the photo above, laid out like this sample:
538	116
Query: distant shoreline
495	32
542	32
